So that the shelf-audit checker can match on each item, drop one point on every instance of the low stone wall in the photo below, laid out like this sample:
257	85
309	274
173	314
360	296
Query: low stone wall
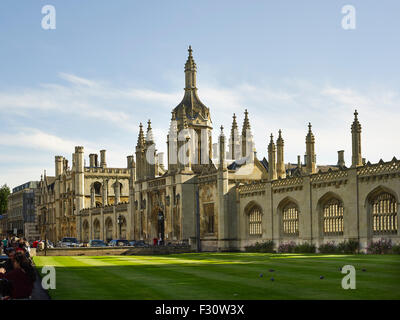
158	250
113	251
83	251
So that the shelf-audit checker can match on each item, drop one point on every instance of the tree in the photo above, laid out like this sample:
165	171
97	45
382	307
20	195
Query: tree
4	193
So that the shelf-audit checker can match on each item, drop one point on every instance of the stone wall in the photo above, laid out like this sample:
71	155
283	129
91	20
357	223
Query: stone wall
113	251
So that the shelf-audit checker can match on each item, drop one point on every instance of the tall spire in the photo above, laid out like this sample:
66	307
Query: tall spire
356	159
280	166
149	133
234	142
272	159
310	151
222	162
190	72
247	138
140	142
246	123
234	124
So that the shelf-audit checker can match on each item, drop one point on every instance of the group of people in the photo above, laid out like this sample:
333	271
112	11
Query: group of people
17	274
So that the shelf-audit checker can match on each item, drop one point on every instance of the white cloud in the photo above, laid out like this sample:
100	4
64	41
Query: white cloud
288	104
77	80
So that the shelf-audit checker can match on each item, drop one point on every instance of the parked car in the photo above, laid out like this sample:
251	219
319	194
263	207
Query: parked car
118	243
69	242
139	243
97	243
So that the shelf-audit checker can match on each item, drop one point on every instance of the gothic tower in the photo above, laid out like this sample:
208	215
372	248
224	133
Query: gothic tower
193	115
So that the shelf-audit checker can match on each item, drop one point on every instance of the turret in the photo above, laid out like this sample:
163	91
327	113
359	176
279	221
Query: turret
140	154
272	159
310	151
356	159
280	166
222	161
172	144
103	163
247	137
59	165
234	141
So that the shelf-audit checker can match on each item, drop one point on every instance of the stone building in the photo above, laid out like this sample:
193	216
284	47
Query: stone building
222	197
4	232
74	188
21	210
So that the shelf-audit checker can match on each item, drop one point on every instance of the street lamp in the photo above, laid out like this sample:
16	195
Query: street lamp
119	221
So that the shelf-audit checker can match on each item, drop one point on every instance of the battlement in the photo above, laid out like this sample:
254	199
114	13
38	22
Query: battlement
379	168
107	170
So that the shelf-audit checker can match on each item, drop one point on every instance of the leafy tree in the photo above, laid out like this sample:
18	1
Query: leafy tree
4	193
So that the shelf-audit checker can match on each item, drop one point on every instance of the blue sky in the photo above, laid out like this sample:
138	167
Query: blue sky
109	65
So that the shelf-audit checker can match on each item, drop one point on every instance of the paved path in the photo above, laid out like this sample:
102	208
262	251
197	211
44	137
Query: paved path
38	292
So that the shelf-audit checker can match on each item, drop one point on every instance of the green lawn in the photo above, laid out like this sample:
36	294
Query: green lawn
223	276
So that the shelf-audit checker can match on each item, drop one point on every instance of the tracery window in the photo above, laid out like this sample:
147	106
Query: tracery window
333	218
290	220
255	219
384	214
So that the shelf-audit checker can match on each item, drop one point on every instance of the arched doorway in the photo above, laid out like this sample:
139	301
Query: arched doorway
85	231
109	229
96	229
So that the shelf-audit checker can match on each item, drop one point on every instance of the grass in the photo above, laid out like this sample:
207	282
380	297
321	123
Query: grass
223	276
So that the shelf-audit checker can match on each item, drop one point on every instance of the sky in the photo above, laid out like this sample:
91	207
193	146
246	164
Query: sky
109	65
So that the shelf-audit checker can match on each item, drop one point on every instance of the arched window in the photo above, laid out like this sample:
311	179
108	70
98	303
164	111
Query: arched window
97	188
290	220
255	219
384	214
333	217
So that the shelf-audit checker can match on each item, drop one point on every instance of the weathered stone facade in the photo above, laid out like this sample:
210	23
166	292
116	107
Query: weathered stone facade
64	197
223	204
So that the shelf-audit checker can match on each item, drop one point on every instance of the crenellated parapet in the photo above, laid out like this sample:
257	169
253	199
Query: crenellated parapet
253	189
379	170
329	178
287	185
107	170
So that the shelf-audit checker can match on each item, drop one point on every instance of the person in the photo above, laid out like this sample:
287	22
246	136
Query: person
21	277
9	264
35	244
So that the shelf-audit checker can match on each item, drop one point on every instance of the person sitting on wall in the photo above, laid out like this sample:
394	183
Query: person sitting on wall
21	277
